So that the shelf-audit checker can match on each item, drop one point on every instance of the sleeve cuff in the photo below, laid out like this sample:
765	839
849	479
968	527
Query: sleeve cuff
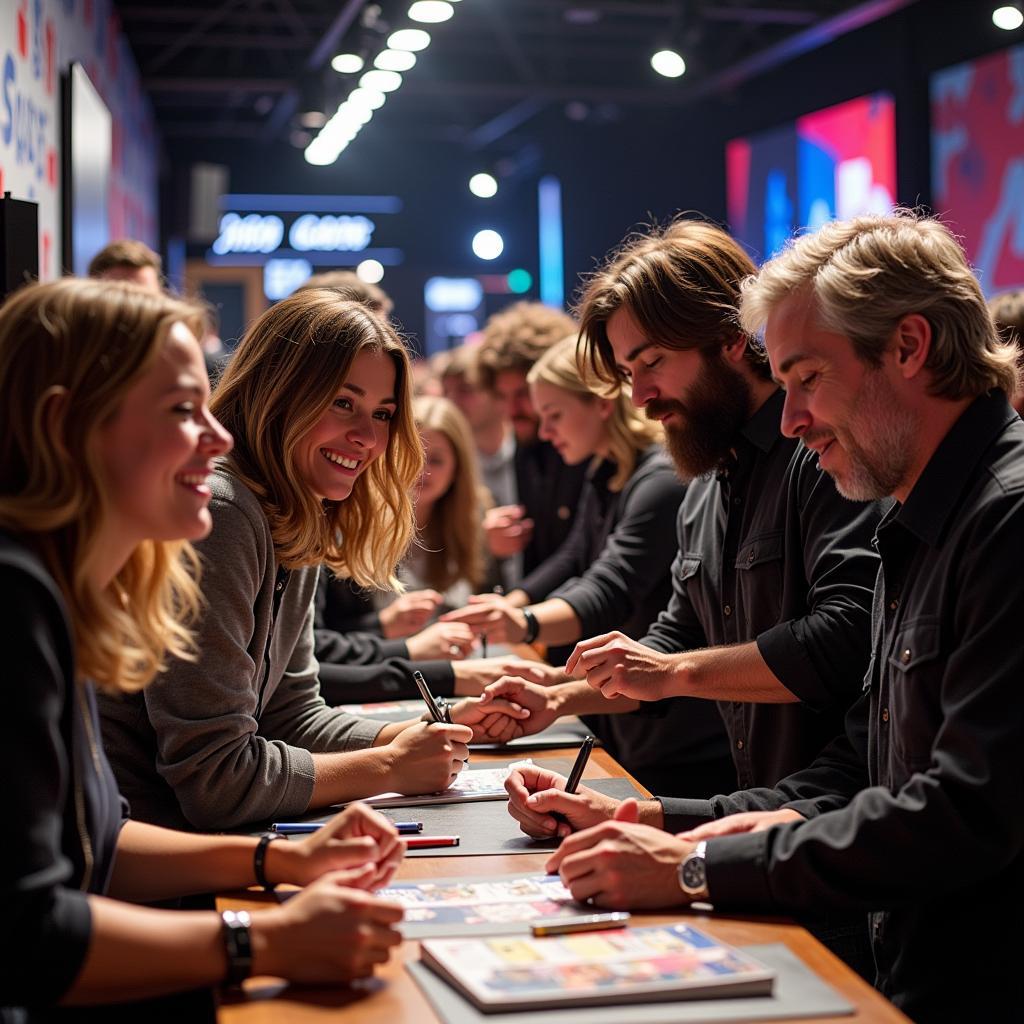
682	814
789	662
736	873
394	649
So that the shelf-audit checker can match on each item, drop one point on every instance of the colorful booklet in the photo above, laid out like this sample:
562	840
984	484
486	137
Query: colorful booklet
467	906
624	965
474	784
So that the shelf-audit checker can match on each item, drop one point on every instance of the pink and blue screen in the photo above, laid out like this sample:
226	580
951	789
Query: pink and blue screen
978	162
836	162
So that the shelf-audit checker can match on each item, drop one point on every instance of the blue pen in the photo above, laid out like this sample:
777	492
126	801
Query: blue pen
298	828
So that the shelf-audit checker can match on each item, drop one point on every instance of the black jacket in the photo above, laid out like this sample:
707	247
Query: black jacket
917	810
52	759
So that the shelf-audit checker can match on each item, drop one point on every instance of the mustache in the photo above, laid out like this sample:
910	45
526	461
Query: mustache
658	407
813	436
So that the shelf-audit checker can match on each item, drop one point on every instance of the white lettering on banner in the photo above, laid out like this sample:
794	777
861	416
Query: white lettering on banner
252	233
330	233
24	123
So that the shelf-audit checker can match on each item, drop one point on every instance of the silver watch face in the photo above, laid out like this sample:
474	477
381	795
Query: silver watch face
692	874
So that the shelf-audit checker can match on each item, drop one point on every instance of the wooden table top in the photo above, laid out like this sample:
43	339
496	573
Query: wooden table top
392	997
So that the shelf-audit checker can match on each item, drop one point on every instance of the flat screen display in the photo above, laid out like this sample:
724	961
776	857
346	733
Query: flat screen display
977	114
87	154
835	162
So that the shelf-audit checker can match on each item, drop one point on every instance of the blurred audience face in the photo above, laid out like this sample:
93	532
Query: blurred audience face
477	404
696	395
439	467
145	277
513	396
574	426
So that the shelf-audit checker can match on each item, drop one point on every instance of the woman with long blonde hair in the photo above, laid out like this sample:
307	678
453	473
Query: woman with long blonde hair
106	449
449	502
612	572
326	451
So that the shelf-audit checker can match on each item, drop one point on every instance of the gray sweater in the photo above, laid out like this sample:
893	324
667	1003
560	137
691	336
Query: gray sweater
227	740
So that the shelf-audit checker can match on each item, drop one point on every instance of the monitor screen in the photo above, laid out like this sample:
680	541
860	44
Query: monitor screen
87	152
978	162
836	162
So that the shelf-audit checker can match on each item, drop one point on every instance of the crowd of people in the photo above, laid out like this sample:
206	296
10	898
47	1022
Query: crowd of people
761	529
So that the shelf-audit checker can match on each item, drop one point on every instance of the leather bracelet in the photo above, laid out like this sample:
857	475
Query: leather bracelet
237	945
532	626
259	860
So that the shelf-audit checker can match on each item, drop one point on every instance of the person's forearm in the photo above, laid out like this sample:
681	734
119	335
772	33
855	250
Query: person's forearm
737	673
578	698
341	778
136	952
558	622
156	863
518	598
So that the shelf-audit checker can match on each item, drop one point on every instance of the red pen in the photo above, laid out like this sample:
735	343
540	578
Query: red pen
424	842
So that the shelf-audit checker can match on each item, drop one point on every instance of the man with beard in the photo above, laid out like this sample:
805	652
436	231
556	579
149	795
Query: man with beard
896	377
772	579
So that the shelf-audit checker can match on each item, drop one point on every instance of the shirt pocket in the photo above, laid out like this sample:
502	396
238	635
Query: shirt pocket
689	566
759	579
915	680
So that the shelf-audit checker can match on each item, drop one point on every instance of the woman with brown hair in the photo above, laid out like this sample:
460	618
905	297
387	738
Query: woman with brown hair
326	451
106	448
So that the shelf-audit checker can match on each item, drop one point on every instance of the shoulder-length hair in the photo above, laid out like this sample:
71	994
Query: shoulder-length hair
69	352
453	537
286	371
629	433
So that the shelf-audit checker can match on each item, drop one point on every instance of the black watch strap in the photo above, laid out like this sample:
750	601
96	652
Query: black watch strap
259	860
532	626
237	945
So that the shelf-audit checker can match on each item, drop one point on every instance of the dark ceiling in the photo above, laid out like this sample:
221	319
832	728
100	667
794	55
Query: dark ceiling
247	70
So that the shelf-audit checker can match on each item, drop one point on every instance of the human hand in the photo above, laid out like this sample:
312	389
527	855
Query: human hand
328	933
507	529
426	757
408	613
497	722
622	865
540	701
746	821
535	793
441	641
358	837
493	616
472	675
616	665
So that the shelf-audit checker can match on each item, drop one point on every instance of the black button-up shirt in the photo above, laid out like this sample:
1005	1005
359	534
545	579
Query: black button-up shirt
926	787
769	551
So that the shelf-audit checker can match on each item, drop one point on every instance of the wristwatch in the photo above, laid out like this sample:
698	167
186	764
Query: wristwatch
237	945
693	873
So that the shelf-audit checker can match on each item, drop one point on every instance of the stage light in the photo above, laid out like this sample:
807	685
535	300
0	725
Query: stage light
483	185
382	81
411	39
370	271
347	63
668	63
519	281
431	12
368	99
394	60
1008	17
488	244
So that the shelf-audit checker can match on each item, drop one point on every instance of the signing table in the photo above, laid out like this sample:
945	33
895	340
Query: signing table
392	997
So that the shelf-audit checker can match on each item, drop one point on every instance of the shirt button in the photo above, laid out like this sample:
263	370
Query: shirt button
750	556
894	604
739	744
737	501
564	512
727	609
279	586
885	714
905	656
